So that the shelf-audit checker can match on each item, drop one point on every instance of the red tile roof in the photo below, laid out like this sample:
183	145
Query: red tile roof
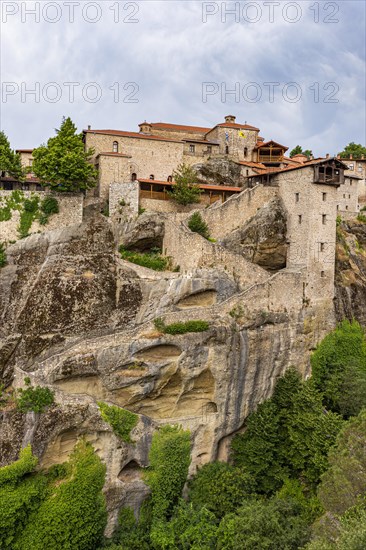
235	125
112	154
177	127
300	166
137	135
24	150
267	143
201	185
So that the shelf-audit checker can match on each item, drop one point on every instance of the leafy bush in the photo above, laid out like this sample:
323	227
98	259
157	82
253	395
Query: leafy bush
181	328
49	205
24	465
3	261
361	218
33	399
169	461
197	224
20	495
121	421
220	487
339	368
74	515
152	260
288	436
185	191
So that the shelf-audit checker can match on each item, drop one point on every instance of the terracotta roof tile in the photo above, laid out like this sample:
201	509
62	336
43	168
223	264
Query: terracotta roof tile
177	127
235	125
137	135
201	185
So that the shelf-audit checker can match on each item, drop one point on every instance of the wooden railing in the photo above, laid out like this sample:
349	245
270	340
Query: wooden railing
270	158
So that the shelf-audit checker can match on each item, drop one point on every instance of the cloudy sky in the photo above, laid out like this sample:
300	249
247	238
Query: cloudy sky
296	70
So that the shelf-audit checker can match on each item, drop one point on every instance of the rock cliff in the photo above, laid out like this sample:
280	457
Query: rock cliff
78	319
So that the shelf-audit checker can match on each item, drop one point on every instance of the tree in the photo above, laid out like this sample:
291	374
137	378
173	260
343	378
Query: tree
74	514
197	224
9	160
354	149
185	190
220	487
339	368
299	151
63	164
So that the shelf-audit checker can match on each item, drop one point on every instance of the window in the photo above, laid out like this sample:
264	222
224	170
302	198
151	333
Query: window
247	172
344	196
322	273
209	148
350	183
324	219
151	177
351	166
324	196
337	206
227	149
30	162
170	178
360	167
297	197
349	196
192	148
115	147
322	247
245	151
133	176
300	219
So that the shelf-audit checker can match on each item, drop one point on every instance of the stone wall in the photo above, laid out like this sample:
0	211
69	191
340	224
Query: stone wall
223	218
70	213
190	251
128	195
347	194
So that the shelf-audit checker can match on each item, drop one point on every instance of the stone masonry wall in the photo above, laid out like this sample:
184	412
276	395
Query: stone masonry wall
70	213
223	218
127	193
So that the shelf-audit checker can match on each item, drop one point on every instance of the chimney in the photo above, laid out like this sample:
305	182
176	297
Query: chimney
89	127
327	156
362	157
230	118
351	157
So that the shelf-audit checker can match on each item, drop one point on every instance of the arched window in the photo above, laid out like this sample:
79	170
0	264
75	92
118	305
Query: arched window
151	177
115	147
227	149
170	178
133	176
245	151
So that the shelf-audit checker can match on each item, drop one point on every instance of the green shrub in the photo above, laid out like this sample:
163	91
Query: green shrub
169	461
33	399
20	494
24	465
5	213
43	219
339	368
185	191
361	218
220	487
49	205
198	225
31	205
153	260
181	328
3	261
74	515
121	421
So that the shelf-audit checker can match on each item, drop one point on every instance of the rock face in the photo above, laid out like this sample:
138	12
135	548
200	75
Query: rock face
78	319
350	279
262	240
220	171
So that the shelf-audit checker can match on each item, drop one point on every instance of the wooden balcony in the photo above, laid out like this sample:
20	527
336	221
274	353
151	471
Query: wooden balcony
270	158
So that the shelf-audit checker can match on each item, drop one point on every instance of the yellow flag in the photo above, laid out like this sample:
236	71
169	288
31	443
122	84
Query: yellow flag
241	134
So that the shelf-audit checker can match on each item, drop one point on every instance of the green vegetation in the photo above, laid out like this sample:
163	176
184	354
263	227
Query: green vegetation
288	436
361	218
169	461
121	421
181	328
3	260
30	209
63	164
33	399
153	259
73	515
9	160
185	191
198	225
339	369
354	149
298	150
